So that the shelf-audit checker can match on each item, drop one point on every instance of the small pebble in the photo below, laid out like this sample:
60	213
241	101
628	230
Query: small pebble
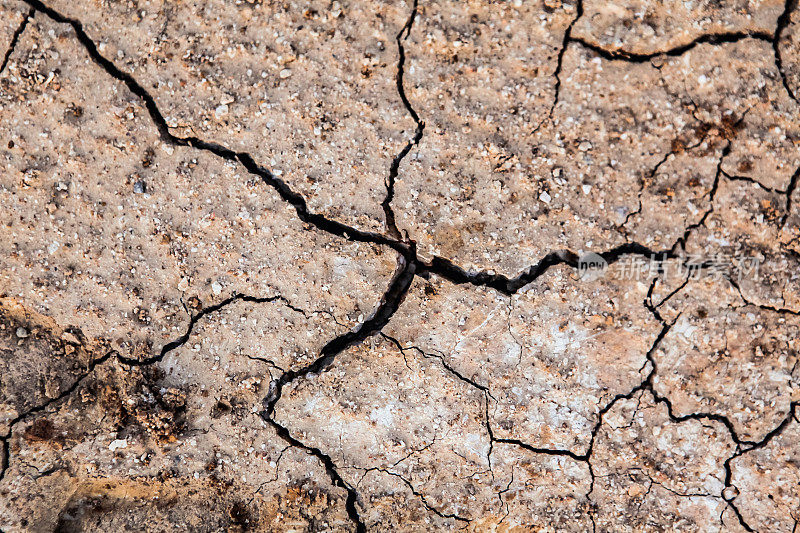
545	197
285	73
22	333
118	443
140	187
221	111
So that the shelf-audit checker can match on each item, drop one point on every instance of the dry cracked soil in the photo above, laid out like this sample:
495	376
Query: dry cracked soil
399	265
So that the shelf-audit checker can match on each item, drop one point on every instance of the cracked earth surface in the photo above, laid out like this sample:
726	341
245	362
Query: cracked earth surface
280	266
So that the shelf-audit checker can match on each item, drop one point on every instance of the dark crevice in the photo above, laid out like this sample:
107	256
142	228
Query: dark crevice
439	265
644	385
396	292
712	417
410	265
647	385
389	304
180	341
742	445
245	159
394	170
487	396
560	59
753	181
783	22
789	193
6	451
732	491
166	349
15	38
330	468
455	274
772	308
659	398
441	359
632	57
544	451
707	38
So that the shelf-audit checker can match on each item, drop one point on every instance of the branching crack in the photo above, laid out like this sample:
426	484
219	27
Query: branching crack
438	265
618	54
681	241
245	159
410	265
389	304
166	349
652	174
180	341
742	445
402	35
6	450
560	58
421	496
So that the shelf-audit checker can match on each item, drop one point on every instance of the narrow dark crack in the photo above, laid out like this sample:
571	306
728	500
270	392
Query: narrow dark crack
535	449
180	341
458	375
742	445
707	38
753	181
646	385
15	38
6	451
166	349
330	468
789	193
560	59
632	57
398	288
438	265
455	274
658	397
245	159
772	308
730	488
651	175
681	241
487	395
394	170
410	266
415	492
783	22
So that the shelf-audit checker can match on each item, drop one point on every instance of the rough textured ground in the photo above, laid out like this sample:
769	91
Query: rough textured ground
319	266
